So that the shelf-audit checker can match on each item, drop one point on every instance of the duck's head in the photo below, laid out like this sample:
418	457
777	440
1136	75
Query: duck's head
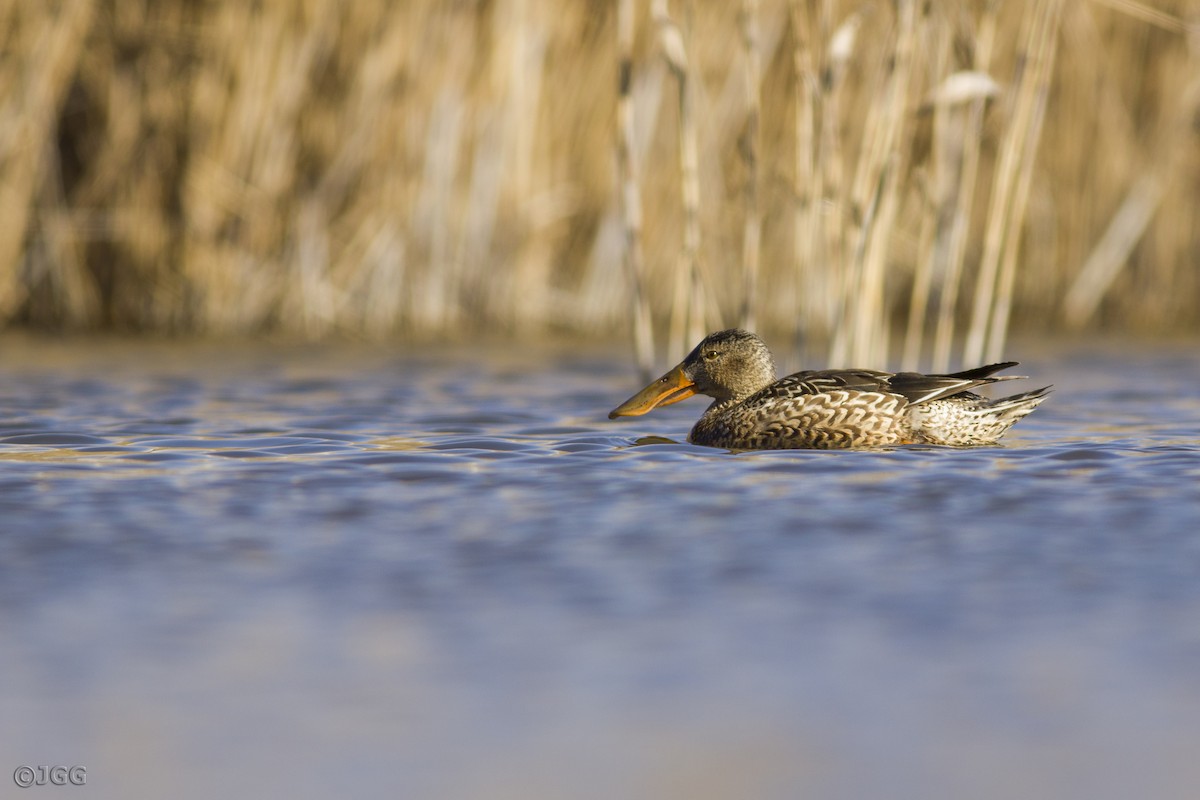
727	365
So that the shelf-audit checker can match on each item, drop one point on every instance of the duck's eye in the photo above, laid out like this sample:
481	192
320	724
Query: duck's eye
709	355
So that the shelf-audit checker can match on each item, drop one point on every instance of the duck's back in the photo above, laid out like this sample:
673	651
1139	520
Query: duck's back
836	409
831	409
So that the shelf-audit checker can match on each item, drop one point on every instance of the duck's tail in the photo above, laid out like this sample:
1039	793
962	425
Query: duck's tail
968	419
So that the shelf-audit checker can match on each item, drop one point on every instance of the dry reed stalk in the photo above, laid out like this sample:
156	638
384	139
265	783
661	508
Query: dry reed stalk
243	173
831	204
1113	248
944	148
58	262
954	215
958	111
631	200
1128	225
342	242
131	94
955	241
806	194
1147	13
366	246
862	339
1043	68
1005	214
527	290
422	168
376	262
453	137
688	321
875	330
864	193
750	147
432	298
44	44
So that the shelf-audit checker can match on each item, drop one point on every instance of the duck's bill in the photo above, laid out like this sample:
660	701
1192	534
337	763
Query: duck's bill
670	388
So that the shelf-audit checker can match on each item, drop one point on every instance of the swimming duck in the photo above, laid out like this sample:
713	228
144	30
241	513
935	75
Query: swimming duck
827	409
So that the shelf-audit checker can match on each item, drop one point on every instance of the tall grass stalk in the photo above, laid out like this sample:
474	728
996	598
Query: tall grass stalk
806	192
42	46
834	204
631	201
1006	215
688	314
939	190
1134	216
1043	67
749	147
429	169
953	237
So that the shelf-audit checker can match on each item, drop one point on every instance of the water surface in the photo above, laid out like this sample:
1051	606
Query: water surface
443	573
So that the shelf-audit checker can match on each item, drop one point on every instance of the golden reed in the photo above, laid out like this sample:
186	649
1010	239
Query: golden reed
882	180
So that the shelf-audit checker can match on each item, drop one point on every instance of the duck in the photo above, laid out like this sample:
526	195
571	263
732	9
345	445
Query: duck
828	409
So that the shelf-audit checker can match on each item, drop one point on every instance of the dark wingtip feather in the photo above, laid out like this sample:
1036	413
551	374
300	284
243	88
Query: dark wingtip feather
1027	400
980	373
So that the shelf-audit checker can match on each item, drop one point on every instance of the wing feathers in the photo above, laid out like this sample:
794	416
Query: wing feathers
914	387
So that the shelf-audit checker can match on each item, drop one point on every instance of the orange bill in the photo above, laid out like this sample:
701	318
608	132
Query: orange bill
670	388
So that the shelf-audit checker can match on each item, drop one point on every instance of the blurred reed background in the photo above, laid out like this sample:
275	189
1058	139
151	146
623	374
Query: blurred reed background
885	181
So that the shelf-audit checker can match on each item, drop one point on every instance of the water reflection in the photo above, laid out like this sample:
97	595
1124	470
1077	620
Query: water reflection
295	572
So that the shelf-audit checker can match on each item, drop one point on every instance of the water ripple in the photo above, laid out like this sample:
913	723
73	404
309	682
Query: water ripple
325	537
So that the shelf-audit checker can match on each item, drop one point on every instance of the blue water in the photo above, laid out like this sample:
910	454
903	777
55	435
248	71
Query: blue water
443	573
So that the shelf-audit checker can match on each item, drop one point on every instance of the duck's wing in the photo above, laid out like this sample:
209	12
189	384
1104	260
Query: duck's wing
920	388
915	387
813	382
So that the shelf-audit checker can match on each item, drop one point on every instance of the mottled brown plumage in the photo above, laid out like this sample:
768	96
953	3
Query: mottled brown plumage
827	409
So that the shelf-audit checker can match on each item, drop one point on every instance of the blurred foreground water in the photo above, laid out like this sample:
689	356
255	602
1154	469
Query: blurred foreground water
313	572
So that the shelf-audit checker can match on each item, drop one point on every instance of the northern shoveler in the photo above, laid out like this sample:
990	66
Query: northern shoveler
827	409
